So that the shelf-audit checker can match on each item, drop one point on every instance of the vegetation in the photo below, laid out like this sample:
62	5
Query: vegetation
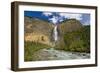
78	41
30	48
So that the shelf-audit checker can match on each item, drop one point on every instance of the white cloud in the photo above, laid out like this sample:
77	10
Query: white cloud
61	20
47	13
61	16
54	19
71	15
86	23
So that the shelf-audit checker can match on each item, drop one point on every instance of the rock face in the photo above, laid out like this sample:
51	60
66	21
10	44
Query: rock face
66	26
36	37
41	31
37	30
69	26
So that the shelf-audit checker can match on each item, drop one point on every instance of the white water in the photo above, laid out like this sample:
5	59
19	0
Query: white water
53	54
55	33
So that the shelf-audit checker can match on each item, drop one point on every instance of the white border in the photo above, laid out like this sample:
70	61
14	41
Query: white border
23	64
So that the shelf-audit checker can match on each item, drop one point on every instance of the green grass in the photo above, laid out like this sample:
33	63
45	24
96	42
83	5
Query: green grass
30	48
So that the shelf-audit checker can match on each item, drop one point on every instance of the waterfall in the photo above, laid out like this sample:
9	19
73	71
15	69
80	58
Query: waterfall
55	33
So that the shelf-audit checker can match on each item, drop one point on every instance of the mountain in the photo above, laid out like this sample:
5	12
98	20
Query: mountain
37	30
37	25
70	25
72	36
65	27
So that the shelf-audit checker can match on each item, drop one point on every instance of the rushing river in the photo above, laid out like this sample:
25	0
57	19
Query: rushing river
52	54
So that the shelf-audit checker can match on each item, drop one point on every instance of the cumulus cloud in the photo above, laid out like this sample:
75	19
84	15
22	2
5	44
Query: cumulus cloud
54	19
86	22
47	13
59	17
71	15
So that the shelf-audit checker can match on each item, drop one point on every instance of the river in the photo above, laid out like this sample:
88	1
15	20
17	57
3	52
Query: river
53	54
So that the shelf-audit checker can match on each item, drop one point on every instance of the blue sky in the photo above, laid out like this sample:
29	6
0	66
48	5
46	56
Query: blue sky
57	17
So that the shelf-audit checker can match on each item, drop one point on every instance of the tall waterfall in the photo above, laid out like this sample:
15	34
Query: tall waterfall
55	33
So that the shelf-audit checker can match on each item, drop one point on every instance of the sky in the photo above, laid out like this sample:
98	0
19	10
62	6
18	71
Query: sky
58	17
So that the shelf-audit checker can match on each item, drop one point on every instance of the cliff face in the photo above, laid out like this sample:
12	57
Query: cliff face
65	27
41	31
37	25
37	30
70	25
